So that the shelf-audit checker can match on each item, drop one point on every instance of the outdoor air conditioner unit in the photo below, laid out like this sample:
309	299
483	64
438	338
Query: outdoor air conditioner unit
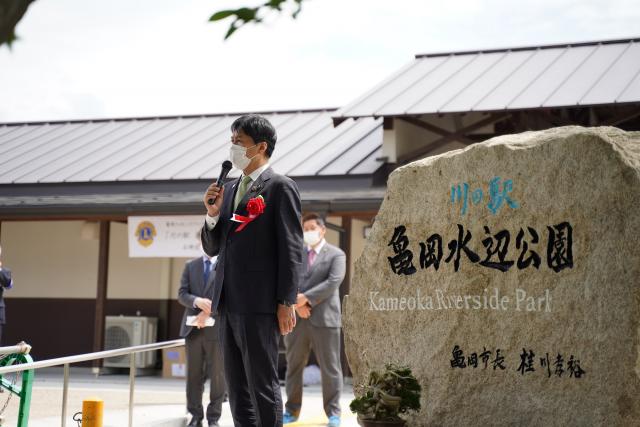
129	331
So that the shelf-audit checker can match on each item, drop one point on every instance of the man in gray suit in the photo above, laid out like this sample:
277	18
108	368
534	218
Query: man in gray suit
318	326
202	343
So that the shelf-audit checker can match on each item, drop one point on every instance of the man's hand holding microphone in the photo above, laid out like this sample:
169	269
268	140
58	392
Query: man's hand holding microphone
215	193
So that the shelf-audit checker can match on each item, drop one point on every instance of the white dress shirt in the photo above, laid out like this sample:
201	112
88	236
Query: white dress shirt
213	260
318	247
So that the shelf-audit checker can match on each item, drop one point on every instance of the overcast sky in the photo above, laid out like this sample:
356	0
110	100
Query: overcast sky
80	59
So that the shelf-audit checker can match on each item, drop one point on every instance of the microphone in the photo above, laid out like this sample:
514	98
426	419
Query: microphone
226	167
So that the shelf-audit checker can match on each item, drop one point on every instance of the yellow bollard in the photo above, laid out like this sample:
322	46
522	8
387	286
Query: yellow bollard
92	411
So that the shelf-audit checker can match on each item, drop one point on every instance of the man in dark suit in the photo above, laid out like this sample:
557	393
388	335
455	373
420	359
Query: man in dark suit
254	228
319	325
202	343
6	282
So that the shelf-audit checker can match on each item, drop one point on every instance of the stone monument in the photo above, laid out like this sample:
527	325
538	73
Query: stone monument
507	276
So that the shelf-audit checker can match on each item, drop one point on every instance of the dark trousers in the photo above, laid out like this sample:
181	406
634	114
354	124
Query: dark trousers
204	358
326	346
250	343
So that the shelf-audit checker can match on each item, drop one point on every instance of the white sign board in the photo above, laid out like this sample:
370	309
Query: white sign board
165	236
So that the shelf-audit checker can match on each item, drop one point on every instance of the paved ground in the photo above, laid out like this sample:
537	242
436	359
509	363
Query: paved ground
159	402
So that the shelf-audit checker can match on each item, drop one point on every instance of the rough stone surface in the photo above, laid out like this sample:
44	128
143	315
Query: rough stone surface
586	177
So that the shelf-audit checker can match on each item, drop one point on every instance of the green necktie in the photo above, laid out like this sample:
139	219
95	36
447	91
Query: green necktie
242	189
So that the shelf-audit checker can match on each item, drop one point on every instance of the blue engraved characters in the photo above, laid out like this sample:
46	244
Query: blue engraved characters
498	195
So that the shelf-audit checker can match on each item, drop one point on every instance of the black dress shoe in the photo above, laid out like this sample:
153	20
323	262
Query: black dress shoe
195	422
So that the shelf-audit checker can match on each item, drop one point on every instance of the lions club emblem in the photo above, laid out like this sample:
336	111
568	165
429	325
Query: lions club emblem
145	233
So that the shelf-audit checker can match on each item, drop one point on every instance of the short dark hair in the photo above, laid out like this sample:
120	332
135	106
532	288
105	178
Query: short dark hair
314	216
258	128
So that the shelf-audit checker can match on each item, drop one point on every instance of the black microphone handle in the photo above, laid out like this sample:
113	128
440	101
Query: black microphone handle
226	167
212	201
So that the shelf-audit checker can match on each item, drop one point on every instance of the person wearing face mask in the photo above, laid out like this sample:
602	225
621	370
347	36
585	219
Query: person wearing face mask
254	228
318	328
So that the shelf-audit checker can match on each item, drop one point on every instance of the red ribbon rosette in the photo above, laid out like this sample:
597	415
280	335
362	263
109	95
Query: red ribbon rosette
255	208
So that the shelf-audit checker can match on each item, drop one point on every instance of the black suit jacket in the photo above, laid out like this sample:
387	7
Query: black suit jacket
5	282
262	263
192	286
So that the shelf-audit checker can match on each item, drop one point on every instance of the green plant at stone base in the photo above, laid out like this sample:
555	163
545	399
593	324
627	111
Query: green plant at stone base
387	394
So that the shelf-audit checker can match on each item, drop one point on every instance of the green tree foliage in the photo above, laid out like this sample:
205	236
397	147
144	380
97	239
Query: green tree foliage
11	12
246	15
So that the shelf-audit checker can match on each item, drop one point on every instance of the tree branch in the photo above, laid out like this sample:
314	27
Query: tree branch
11	12
246	15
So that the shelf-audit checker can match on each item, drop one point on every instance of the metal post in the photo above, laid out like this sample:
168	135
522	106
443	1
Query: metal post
132	382
60	361
65	388
25	392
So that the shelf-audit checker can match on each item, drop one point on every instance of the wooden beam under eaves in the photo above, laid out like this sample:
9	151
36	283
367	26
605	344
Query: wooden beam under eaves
459	135
437	129
621	118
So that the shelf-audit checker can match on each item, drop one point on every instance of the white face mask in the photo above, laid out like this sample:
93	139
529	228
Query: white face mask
238	157
312	237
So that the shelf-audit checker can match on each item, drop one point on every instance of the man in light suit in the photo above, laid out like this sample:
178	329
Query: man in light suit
318	306
254	228
202	343
6	282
